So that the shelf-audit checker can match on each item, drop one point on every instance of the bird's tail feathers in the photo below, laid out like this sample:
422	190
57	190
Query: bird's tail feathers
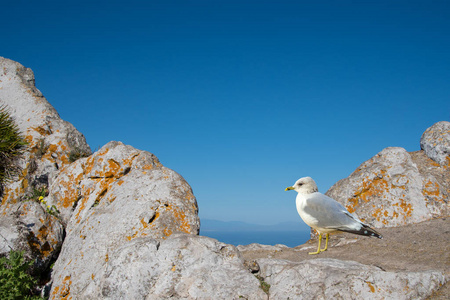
364	230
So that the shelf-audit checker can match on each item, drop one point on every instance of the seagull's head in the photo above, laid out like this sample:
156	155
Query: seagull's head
305	185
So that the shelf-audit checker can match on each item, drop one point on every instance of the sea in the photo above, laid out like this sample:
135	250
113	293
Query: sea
288	238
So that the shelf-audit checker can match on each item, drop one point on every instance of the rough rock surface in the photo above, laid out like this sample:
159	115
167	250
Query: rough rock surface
51	139
337	279
50	142
109	199
405	250
180	267
395	188
32	230
435	142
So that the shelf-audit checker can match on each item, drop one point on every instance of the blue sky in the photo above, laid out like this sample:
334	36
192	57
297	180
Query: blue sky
241	98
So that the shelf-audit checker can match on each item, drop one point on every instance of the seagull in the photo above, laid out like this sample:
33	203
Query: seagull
324	213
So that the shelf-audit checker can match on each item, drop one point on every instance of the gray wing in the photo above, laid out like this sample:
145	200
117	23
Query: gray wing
330	214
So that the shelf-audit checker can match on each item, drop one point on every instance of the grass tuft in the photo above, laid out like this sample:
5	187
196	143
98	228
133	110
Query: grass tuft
12	146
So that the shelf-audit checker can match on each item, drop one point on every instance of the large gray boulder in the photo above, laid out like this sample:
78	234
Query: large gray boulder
109	199
337	279
435	141
181	267
395	188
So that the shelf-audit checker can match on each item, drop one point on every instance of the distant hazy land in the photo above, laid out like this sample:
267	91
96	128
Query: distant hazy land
240	233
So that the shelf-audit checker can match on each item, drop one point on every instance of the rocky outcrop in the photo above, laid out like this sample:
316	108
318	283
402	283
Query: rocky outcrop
435	142
109	199
413	258
180	267
395	188
32	230
337	279
130	224
51	141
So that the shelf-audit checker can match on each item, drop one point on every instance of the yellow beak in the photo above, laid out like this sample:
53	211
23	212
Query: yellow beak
289	188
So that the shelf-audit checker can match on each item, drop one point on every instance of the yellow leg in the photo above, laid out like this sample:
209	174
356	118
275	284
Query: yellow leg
318	248
320	241
326	243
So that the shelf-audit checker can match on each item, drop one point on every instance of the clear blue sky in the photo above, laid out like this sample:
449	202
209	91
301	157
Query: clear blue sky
241	97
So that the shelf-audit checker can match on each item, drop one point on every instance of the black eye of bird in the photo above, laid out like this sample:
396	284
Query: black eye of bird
300	183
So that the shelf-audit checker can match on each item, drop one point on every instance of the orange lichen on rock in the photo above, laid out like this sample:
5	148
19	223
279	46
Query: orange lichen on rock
368	190
147	167
378	213
180	217
139	232
63	291
69	194
372	288
40	130
167	232
431	190
112	169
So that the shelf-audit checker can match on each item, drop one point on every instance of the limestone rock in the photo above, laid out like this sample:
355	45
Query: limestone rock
180	267
109	199
255	246
395	188
337	279
32	230
435	142
51	139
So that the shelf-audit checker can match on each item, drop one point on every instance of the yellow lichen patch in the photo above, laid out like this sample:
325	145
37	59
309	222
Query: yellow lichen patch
52	148
63	291
40	130
189	195
431	190
167	232
406	207
140	231
372	288
29	139
112	168
147	167
24	183
369	189
379	213
81	207
351	207
144	224
69	193
90	163
376	187
180	217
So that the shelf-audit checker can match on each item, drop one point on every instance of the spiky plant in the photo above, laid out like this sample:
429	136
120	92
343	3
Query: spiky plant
12	146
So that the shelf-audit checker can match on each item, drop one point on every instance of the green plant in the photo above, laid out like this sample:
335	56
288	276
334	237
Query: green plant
41	148
77	153
12	146
263	285
36	194
50	209
15	282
